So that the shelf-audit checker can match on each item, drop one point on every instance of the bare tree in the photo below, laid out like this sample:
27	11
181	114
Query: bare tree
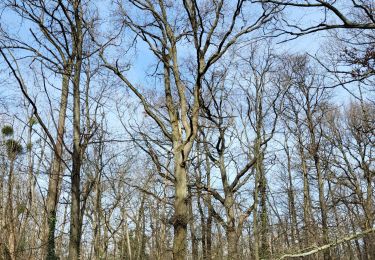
164	28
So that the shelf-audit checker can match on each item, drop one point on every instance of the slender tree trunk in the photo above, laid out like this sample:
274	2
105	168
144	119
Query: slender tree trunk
97	219
314	152
194	240
219	250
306	198
140	228
369	210
31	203
291	201
209	235
323	209
55	175
75	211
255	219
12	245
203	224
126	227
2	207
265	250
209	217
292	209
30	167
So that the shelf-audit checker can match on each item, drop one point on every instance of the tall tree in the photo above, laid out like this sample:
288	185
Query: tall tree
164	29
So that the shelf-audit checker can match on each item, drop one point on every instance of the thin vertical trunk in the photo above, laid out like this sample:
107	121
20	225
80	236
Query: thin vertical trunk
209	235
356	242
128	245
30	167
314	152
194	240
323	209
75	219
60	241
2	206
31	204
259	177
209	217
306	198
369	212
218	245
255	215
56	174
97	219
265	250
203	222
140	230
292	207
10	214
162	249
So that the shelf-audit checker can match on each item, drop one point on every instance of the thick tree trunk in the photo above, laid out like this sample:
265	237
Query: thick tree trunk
181	210
232	240
232	236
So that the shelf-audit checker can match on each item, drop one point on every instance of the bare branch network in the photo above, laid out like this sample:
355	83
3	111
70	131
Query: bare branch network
187	129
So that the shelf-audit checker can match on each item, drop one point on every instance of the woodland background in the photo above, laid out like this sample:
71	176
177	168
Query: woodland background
189	129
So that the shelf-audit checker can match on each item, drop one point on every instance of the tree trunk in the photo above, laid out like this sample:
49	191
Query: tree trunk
306	198
232	240
323	209
181	210
12	245
208	231
75	219
194	240
264	249
55	176
291	202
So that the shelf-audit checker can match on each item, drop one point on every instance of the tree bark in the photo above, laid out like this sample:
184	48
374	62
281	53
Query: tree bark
181	210
232	240
56	174
75	211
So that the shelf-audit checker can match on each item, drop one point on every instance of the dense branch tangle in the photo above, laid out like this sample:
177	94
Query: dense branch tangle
163	31
228	149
